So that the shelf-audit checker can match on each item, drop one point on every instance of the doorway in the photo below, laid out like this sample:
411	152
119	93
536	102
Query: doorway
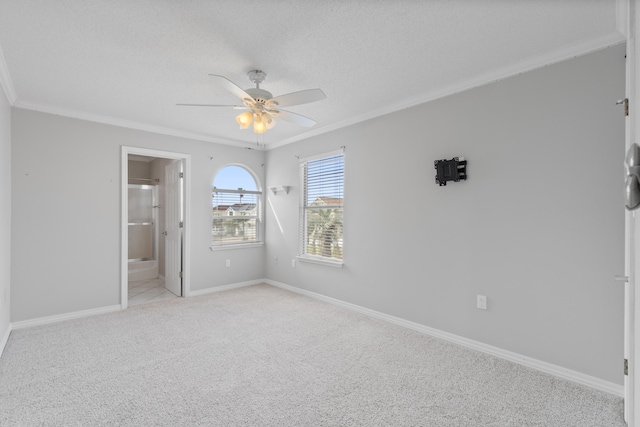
155	194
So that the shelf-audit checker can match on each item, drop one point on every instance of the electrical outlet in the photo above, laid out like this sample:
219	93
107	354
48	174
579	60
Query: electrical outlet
275	260
482	302
228	263
293	263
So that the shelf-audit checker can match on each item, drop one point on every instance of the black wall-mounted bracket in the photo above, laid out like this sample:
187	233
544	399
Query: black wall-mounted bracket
450	170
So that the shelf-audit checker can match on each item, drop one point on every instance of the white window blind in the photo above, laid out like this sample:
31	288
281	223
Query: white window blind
321	208
235	216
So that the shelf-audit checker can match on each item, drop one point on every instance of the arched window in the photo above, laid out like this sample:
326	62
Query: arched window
236	202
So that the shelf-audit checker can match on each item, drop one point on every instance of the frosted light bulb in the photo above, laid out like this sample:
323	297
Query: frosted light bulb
244	119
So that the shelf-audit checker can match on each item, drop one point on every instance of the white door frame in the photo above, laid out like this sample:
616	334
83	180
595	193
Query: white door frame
124	229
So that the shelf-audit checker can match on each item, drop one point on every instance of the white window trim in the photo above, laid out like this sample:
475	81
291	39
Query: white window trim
321	156
315	259
225	246
321	261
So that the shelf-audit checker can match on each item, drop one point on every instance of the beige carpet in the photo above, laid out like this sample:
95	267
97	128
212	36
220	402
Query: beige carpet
261	356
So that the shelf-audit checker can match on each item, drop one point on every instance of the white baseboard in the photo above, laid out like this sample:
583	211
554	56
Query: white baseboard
529	362
84	313
225	287
5	339
66	316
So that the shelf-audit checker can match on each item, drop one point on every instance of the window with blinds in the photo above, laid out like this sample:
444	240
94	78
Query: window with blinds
321	208
236	213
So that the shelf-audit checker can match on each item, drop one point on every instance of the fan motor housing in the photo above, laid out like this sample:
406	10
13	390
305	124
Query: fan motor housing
259	95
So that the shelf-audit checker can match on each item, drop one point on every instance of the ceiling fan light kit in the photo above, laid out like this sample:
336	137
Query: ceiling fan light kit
262	107
268	121
258	126
244	119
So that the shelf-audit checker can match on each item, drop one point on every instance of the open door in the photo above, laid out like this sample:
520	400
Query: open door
632	224
174	225
632	267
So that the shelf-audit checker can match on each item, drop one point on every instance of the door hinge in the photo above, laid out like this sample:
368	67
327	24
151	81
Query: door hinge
625	102
181	174
181	224
626	366
180	275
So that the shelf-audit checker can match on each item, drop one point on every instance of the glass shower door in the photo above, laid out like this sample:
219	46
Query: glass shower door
142	222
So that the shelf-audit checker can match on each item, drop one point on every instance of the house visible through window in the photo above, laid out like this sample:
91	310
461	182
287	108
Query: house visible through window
236	207
321	208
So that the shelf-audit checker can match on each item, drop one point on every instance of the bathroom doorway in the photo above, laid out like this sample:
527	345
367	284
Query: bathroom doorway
154	195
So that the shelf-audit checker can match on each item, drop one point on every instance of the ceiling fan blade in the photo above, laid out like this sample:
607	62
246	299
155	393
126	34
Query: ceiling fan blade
293	118
297	98
235	107
232	87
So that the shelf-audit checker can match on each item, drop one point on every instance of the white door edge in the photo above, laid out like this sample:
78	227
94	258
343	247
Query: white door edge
634	126
173	235
628	17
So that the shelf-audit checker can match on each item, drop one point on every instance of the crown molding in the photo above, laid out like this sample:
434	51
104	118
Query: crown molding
556	56
114	121
5	80
559	55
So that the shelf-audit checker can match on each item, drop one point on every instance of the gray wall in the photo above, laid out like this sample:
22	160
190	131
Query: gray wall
5	214
538	228
66	213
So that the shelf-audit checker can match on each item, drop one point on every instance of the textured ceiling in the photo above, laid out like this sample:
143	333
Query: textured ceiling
129	62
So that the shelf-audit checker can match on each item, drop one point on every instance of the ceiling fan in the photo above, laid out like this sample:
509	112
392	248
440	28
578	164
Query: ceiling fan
262	107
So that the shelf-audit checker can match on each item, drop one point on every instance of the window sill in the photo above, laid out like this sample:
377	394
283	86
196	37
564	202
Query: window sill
320	261
235	246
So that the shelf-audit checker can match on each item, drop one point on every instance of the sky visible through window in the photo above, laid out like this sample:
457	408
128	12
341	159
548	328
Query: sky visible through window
234	177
